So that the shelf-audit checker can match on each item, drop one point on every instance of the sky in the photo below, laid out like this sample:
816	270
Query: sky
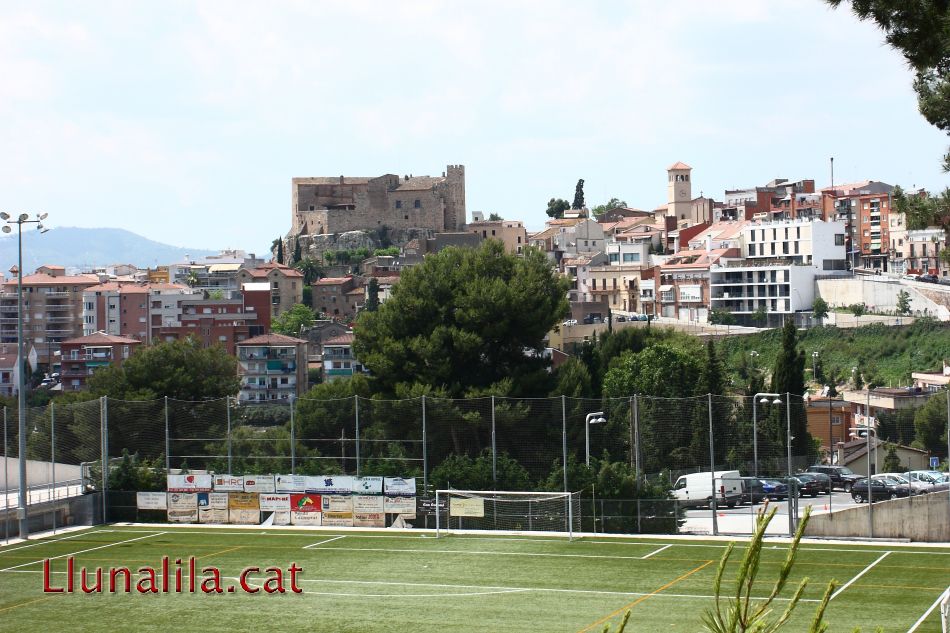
185	121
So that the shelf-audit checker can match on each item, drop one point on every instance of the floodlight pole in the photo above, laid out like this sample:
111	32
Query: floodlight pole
755	436
22	501
592	418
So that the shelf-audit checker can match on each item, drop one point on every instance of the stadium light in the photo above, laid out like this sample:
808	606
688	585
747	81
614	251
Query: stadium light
22	501
762	399
592	418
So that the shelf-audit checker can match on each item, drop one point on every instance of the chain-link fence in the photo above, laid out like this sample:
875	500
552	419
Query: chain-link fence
487	443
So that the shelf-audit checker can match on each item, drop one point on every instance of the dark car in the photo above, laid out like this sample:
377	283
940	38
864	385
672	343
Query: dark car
774	489
880	489
752	491
841	476
823	481
807	485
621	319
931	279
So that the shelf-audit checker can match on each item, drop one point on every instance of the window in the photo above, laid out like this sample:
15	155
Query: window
614	258
417	204
629	258
398	204
836	420
839	239
312	208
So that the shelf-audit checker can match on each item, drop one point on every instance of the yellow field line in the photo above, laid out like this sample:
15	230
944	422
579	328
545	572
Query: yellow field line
859	584
224	551
22	604
617	612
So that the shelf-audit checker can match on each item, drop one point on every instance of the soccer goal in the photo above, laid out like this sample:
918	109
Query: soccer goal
458	510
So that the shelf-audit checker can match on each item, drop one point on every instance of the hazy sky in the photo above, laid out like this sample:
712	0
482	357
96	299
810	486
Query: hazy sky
185	121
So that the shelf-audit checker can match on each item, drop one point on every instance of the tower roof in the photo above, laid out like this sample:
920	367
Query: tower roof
678	165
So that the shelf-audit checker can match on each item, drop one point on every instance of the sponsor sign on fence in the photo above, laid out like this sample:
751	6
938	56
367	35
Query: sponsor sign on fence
278	504
244	508
338	519
151	501
467	507
259	483
228	483
336	503
189	483
182	507
305	509
291	483
330	484
400	505
212	507
397	486
367	485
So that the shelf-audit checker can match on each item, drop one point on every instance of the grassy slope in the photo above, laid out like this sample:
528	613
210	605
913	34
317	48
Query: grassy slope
888	354
667	592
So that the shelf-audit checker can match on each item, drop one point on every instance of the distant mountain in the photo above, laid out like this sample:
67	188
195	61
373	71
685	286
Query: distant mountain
84	248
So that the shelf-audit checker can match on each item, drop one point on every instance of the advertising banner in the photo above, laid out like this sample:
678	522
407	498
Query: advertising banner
244	508
305	503
151	501
212	507
399	505
189	483
290	483
367	485
330	484
365	503
338	519
281	517
397	486
259	483
369	519
274	502
304	518
467	507
182	507
336	503
228	483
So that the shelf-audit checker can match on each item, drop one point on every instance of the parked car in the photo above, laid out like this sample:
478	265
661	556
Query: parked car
931	279
934	480
774	489
823	480
752	491
620	319
916	487
882	488
643	317
695	489
808	485
842	477
570	322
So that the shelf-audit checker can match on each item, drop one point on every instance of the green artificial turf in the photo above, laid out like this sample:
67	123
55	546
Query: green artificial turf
382	581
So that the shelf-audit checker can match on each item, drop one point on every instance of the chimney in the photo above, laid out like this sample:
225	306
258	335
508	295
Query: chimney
341	180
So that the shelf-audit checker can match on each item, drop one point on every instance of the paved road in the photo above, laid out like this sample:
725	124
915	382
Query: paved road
741	519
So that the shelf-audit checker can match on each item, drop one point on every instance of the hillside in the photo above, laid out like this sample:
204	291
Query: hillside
83	248
885	354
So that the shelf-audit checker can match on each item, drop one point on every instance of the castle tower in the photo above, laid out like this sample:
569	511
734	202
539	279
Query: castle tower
679	191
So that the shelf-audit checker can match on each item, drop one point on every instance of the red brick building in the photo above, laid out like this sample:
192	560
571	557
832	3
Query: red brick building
82	356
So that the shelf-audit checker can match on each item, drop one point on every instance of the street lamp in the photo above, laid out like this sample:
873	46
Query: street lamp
755	438
814	366
592	418
23	218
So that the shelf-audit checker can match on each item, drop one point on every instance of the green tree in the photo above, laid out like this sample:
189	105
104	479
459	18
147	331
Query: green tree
788	377
903	302
858	309
463	319
290	322
721	316
572	379
280	251
557	207
578	195
613	203
180	369
372	297
759	316
297	252
918	29
494	217
930	425
391	251
464	472
819	309
892	463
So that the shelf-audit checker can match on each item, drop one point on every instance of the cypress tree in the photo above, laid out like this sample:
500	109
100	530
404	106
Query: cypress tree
280	251
788	377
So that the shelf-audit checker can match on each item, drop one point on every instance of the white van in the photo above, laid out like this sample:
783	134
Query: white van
695	489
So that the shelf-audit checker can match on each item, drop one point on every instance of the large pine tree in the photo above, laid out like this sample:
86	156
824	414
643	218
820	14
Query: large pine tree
788	379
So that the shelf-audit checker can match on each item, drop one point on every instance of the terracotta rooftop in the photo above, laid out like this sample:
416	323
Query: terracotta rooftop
271	339
342	339
678	165
101	338
40	279
331	281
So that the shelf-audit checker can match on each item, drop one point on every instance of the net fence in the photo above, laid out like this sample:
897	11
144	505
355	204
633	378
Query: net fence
636	446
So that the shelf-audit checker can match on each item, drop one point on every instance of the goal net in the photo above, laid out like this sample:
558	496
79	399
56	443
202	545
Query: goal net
510	511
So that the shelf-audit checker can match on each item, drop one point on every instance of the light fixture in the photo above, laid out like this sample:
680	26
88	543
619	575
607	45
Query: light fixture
776	401
7	229
24	217
4	215
42	216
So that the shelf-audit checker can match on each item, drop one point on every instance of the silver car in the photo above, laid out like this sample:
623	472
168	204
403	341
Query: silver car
917	486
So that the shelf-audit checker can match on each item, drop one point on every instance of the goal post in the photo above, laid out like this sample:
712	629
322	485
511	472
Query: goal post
497	510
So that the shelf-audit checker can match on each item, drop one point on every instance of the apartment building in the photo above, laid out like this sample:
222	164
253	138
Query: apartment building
338	296
224	322
286	284
52	310
338	359
617	286
922	251
84	355
511	233
9	370
133	310
272	367
865	207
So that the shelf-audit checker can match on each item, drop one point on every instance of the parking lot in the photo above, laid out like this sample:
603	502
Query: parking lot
741	519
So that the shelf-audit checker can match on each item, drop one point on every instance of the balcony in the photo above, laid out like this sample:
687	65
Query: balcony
98	356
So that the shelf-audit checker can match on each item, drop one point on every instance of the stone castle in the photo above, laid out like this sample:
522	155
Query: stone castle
333	205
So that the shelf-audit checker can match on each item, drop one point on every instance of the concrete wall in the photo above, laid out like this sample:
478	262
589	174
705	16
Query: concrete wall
880	293
921	518
37	473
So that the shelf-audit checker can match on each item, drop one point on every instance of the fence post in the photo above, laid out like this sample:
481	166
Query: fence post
168	446
425	452
570	506
636	436
356	399
104	439
293	439
712	466
52	456
494	449
227	409
6	481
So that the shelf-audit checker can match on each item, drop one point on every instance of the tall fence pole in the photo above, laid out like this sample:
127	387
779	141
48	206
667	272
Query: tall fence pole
867	432
104	439
494	449
52	455
636	436
168	445
712	466
948	435
293	439
227	409
425	452
356	399
570	506
630	431
6	481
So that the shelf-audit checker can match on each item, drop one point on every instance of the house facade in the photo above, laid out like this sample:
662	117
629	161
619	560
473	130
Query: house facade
84	355
272	367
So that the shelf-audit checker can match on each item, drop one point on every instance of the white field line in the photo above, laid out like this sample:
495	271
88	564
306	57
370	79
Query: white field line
83	551
335	538
860	573
929	611
477	552
655	552
486	589
44	542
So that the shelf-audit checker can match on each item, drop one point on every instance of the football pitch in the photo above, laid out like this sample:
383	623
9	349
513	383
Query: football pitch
408	581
